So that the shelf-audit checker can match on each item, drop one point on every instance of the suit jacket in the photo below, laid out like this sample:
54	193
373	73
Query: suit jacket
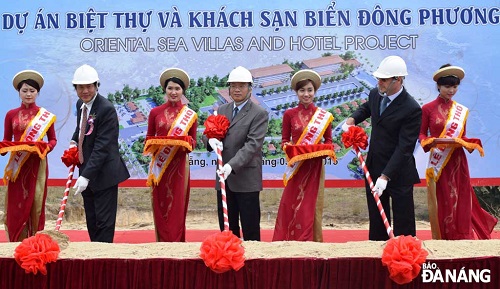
393	137
102	165
243	146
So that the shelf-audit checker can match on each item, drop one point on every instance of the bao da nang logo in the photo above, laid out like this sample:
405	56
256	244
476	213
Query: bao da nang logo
432	274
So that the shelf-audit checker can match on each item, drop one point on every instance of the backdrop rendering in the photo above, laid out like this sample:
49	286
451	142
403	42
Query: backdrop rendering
131	42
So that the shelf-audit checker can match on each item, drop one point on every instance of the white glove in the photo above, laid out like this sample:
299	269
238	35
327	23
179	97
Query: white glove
345	126
215	143
225	171
380	186
72	144
81	184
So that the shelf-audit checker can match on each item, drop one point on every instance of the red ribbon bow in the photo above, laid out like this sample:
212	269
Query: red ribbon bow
356	137
403	257
36	251
216	126
222	252
70	157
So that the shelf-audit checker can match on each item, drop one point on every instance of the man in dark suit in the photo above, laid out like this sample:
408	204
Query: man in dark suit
395	119
242	156
101	167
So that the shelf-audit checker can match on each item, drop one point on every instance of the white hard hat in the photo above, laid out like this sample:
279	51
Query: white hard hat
240	74
391	66
85	74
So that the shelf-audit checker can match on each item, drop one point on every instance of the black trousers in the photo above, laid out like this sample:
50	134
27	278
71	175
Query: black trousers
244	205
403	211
100	213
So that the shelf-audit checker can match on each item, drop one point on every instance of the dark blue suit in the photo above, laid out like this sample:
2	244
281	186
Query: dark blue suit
392	142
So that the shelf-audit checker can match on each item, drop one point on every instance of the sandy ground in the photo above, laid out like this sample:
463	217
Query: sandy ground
203	222
345	209
86	250
254	250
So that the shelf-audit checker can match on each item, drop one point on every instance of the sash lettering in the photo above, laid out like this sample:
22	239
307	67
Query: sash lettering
36	130
162	158
454	128
312	134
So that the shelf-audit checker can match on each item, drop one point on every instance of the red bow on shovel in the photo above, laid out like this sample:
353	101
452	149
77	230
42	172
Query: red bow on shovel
70	159
403	255
221	251
36	251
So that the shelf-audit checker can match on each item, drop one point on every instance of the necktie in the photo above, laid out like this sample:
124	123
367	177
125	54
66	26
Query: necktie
384	103
83	127
235	112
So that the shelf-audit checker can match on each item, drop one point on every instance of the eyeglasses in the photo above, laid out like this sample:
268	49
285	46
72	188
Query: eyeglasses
238	86
387	79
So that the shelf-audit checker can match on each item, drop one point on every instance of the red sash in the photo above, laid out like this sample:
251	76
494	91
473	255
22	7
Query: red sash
20	151
449	139
306	147
164	149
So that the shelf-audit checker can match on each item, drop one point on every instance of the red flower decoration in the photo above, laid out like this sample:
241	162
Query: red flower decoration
403	257
70	157
36	251
356	137
222	252
216	126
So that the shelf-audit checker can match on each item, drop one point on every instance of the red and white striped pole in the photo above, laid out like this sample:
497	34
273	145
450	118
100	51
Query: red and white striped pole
222	188
65	198
388	227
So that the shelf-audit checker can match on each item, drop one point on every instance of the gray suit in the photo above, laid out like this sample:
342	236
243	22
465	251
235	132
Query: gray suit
243	146
243	152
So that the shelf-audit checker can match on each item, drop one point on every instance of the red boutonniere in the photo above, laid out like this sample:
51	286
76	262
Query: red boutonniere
90	123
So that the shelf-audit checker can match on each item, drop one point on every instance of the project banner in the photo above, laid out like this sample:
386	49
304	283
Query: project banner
131	42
